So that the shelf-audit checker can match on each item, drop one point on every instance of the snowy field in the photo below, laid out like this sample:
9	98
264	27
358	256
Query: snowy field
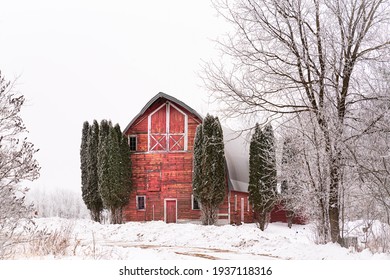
84	239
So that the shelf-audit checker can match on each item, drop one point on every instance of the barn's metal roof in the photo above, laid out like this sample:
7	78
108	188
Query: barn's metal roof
237	159
236	147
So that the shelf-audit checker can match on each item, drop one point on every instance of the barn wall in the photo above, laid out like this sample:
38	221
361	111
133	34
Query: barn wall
160	175
278	214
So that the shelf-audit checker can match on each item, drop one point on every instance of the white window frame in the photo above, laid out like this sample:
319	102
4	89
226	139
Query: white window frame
136	142
192	203
136	202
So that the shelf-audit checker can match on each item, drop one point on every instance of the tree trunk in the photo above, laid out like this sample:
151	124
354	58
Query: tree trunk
290	217
334	166
334	211
96	215
113	214
262	220
209	214
119	216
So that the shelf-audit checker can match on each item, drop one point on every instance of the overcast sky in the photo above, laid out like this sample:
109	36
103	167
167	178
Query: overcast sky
80	60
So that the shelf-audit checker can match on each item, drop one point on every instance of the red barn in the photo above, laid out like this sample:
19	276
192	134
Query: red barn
161	138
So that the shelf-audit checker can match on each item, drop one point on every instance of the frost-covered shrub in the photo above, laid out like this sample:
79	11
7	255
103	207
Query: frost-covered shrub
371	234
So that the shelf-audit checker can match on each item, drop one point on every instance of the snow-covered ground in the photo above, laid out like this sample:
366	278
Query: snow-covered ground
161	241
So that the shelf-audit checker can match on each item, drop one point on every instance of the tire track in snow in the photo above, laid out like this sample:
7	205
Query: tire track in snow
198	252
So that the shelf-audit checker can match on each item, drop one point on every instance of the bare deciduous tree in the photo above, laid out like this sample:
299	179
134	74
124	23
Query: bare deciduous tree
16	164
302	57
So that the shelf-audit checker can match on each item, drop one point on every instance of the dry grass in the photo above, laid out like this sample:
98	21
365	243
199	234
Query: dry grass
55	243
32	242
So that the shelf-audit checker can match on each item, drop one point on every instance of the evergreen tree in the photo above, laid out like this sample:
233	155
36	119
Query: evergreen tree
125	172
209	169
89	180
114	170
103	163
84	161
262	173
197	176
111	193
88	175
105	169
95	201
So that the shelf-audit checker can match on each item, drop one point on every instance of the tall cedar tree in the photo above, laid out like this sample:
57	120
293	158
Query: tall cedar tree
95	201
198	155
114	170
111	196
125	172
103	163
209	169
121	171
88	157
262	174
84	162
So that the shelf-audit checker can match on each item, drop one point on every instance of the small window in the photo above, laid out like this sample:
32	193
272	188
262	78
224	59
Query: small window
248	203
235	202
133	143
195	203
140	201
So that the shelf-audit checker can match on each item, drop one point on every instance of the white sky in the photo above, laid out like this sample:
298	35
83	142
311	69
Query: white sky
83	60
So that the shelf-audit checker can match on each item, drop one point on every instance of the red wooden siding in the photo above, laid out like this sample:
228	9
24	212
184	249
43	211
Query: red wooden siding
161	175
278	214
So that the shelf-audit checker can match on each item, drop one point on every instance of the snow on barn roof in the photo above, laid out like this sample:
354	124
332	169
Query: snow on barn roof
236	146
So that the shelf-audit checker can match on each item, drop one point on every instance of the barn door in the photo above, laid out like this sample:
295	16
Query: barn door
177	129
158	129
168	129
170	211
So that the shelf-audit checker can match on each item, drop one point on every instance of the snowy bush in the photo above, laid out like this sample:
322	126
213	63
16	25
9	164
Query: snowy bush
371	234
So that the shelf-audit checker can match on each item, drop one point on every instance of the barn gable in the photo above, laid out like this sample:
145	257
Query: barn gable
162	96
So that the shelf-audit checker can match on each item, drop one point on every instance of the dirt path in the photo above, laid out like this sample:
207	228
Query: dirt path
195	252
